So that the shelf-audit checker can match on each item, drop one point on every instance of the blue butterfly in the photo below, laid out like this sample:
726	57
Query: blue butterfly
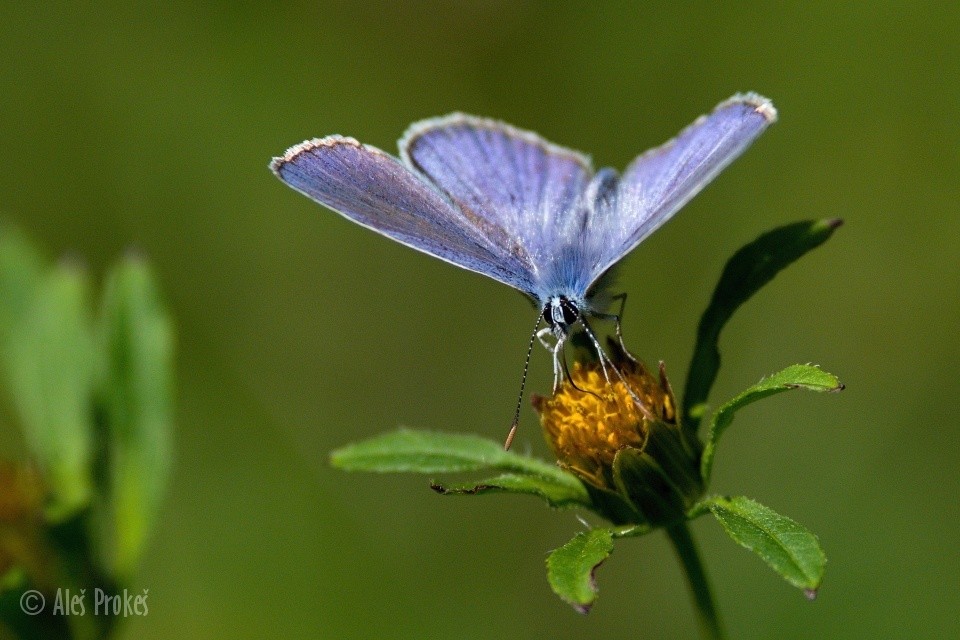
504	202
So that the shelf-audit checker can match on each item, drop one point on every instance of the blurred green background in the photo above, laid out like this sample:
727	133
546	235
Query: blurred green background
151	125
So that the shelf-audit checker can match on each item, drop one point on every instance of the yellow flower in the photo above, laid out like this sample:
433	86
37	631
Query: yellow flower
588	420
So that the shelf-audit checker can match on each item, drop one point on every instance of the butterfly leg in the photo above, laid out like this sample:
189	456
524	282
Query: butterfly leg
617	317
605	360
554	349
540	336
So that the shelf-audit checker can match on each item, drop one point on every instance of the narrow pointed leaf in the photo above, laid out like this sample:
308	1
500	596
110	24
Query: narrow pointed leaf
136	336
798	376
49	368
570	493
570	569
411	451
746	272
789	548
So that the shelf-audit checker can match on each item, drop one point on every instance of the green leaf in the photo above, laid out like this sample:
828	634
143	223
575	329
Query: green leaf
570	568
136	336
652	492
745	273
789	549
613	506
21	268
798	376
678	454
412	451
566	494
49	367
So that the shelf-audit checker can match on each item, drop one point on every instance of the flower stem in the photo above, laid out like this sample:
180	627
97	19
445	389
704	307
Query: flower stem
697	580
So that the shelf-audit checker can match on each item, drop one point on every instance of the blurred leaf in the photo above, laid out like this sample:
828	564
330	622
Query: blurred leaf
136	336
751	267
570	568
567	494
24	547
19	625
49	366
789	549
21	267
411	451
798	376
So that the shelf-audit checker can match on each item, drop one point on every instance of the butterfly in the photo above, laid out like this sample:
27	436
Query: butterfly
505	203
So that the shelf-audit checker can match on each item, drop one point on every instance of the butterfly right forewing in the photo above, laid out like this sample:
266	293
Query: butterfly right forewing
659	182
377	191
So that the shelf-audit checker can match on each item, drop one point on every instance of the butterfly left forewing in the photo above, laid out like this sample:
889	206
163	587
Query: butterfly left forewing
379	192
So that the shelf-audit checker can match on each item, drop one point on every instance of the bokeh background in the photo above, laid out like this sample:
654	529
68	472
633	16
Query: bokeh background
151	125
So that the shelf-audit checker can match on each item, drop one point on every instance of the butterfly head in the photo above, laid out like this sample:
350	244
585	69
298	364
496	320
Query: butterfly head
560	313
